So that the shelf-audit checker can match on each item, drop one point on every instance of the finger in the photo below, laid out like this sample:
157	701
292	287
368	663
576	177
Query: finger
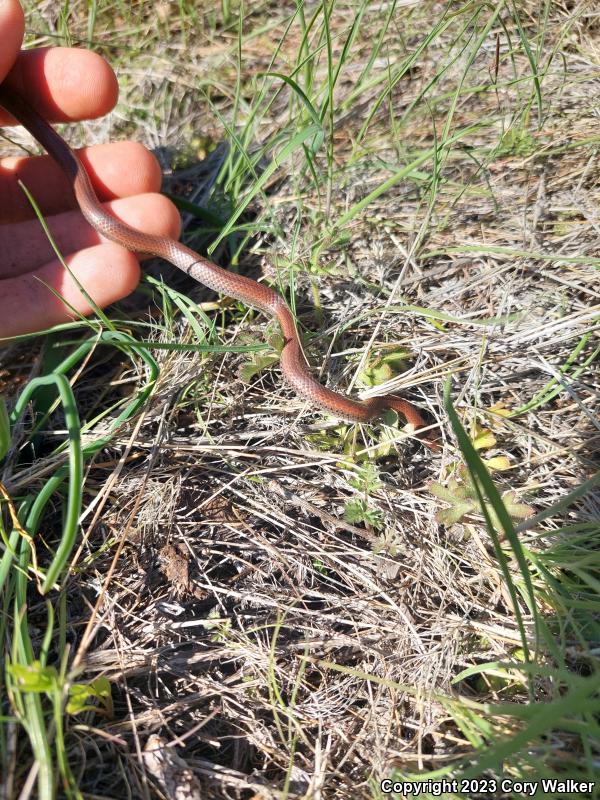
28	303
12	26
63	83
117	170
26	246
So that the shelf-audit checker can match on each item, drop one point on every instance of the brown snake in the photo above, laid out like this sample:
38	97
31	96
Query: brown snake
248	291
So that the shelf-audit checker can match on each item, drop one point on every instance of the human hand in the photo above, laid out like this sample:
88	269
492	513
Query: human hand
68	84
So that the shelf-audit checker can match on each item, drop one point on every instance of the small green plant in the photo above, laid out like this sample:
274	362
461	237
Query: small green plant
383	368
220	628
320	566
517	142
359	511
260	361
366	480
83	695
463	500
38	678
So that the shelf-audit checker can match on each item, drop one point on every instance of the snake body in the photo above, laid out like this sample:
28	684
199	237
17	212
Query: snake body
249	292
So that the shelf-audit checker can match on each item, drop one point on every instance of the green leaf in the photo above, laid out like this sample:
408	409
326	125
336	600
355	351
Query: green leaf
497	463
516	509
462	498
366	478
384	368
33	677
448	516
81	693
483	438
256	364
4	429
296	88
358	511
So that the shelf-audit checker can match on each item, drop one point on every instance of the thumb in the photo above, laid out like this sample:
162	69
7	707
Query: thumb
12	26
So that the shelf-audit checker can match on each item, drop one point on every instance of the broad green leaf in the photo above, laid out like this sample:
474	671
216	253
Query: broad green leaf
33	677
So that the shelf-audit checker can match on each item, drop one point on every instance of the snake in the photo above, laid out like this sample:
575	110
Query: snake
248	291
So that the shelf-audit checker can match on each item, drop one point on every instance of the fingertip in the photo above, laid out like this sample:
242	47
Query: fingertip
120	169
73	97
117	170
97	276
12	27
65	83
151	213
105	272
170	216
147	169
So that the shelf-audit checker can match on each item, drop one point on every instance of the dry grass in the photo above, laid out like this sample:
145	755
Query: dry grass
258	591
